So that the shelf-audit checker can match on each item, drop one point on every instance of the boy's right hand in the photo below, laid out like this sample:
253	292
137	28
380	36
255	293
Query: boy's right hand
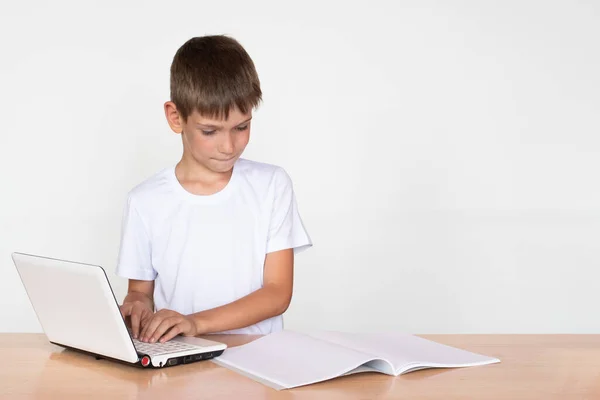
139	313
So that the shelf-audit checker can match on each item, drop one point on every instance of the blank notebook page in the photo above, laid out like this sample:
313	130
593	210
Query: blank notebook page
292	359
404	349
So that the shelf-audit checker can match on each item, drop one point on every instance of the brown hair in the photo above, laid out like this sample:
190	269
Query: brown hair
212	74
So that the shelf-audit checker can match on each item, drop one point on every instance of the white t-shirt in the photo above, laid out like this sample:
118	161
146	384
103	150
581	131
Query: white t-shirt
207	251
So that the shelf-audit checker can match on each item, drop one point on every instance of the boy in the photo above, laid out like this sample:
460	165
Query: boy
209	243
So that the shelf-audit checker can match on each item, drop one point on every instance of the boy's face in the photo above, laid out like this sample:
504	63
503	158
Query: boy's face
213	144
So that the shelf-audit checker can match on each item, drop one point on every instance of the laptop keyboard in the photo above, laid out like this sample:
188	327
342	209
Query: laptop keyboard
157	349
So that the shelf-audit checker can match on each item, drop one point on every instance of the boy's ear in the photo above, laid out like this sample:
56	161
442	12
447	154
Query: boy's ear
173	118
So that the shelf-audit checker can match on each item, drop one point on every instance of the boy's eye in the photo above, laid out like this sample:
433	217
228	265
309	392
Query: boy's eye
238	128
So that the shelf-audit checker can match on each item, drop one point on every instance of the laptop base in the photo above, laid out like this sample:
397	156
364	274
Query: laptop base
140	364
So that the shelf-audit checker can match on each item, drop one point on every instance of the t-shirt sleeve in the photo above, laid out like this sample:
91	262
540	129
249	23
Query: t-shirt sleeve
286	229
135	261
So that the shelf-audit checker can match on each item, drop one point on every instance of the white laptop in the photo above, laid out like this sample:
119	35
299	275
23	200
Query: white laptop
77	309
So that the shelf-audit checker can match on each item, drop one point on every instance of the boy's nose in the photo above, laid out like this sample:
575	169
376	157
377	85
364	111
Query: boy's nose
226	146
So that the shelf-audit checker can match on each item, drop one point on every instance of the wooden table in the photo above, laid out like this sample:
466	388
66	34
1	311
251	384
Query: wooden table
533	367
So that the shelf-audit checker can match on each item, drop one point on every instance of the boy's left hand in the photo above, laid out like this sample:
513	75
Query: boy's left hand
165	325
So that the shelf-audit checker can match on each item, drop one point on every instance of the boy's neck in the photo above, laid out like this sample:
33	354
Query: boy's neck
199	180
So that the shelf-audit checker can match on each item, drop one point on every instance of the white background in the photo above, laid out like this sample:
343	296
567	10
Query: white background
445	155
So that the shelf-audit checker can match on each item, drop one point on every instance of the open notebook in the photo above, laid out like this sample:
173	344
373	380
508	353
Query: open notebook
288	359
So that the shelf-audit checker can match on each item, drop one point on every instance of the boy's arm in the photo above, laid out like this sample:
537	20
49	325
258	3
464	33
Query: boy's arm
271	300
138	304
